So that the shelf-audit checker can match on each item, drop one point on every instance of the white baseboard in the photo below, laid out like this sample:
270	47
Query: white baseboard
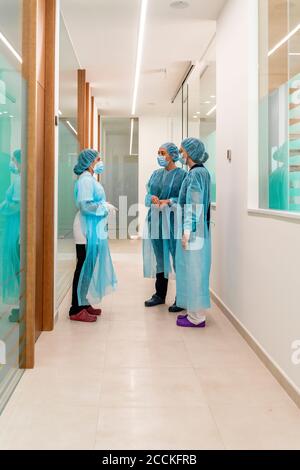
291	388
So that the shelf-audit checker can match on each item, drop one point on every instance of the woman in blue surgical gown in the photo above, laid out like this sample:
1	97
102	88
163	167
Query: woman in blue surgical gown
159	245
94	276
10	238
193	253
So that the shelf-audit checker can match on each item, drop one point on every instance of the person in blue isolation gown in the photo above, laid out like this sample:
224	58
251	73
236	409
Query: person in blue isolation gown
94	276
193	253
159	244
10	239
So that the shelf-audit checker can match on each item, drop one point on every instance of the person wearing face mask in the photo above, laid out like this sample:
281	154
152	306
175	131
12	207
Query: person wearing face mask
94	276
193	252
159	244
10	238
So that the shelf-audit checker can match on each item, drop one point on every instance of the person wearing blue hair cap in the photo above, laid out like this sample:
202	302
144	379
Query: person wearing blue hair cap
193	252
159	244
94	275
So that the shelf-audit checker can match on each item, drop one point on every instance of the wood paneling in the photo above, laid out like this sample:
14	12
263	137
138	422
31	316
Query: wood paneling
40	148
87	115
38	222
40	126
81	85
49	168
29	68
99	133
92	121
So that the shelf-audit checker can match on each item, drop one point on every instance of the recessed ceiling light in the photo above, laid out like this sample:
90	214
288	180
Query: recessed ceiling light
198	112
213	96
207	102
180	5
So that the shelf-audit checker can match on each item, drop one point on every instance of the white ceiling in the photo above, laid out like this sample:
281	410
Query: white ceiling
104	35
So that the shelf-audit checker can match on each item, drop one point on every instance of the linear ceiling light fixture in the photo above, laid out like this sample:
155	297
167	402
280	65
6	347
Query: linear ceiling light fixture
211	111
72	128
11	48
138	65
131	136
284	40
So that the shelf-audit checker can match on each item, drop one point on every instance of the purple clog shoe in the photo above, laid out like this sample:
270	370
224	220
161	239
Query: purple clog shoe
185	323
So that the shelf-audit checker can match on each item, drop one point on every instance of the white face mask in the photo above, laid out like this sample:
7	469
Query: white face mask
182	159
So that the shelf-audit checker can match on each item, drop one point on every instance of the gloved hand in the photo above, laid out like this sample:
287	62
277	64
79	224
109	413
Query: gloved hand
185	239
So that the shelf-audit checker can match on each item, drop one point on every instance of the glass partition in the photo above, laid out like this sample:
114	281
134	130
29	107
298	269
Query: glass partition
12	196
67	156
120	179
279	105
194	110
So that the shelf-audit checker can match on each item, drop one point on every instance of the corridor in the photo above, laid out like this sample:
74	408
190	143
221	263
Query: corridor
134	380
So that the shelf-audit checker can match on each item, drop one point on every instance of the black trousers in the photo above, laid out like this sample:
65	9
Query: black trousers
81	254
161	285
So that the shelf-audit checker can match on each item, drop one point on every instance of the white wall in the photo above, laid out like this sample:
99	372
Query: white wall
256	259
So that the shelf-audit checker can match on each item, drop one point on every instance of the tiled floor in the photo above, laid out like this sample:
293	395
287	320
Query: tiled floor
134	380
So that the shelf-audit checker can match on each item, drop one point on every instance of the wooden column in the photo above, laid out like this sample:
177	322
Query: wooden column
99	133
28	254
49	168
87	114
81	108
92	121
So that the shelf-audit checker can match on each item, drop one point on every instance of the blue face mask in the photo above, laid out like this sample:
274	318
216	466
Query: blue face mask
162	161
13	168
99	168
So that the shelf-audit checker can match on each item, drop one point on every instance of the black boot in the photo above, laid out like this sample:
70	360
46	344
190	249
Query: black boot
175	309
154	301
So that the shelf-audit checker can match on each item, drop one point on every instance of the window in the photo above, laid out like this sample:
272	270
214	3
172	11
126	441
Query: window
12	198
279	105
195	108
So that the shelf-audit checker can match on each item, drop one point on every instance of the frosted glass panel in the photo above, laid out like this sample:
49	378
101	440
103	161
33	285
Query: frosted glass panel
12	200
120	179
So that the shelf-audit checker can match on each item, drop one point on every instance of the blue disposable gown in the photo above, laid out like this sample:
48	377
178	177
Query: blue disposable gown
10	244
159	244
97	276
193	264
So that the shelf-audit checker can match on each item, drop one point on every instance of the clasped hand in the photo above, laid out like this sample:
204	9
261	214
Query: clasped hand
160	203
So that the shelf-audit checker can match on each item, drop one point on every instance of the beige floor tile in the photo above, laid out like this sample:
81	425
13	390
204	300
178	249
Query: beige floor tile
258	428
60	385
169	354
155	385
127	354
150	387
148	329
250	386
49	426
157	428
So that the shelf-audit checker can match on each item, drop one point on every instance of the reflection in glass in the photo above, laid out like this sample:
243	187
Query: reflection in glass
12	231
279	105
67	157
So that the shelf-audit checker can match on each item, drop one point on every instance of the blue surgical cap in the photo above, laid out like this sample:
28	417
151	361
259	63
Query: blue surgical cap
172	150
85	159
195	150
17	155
